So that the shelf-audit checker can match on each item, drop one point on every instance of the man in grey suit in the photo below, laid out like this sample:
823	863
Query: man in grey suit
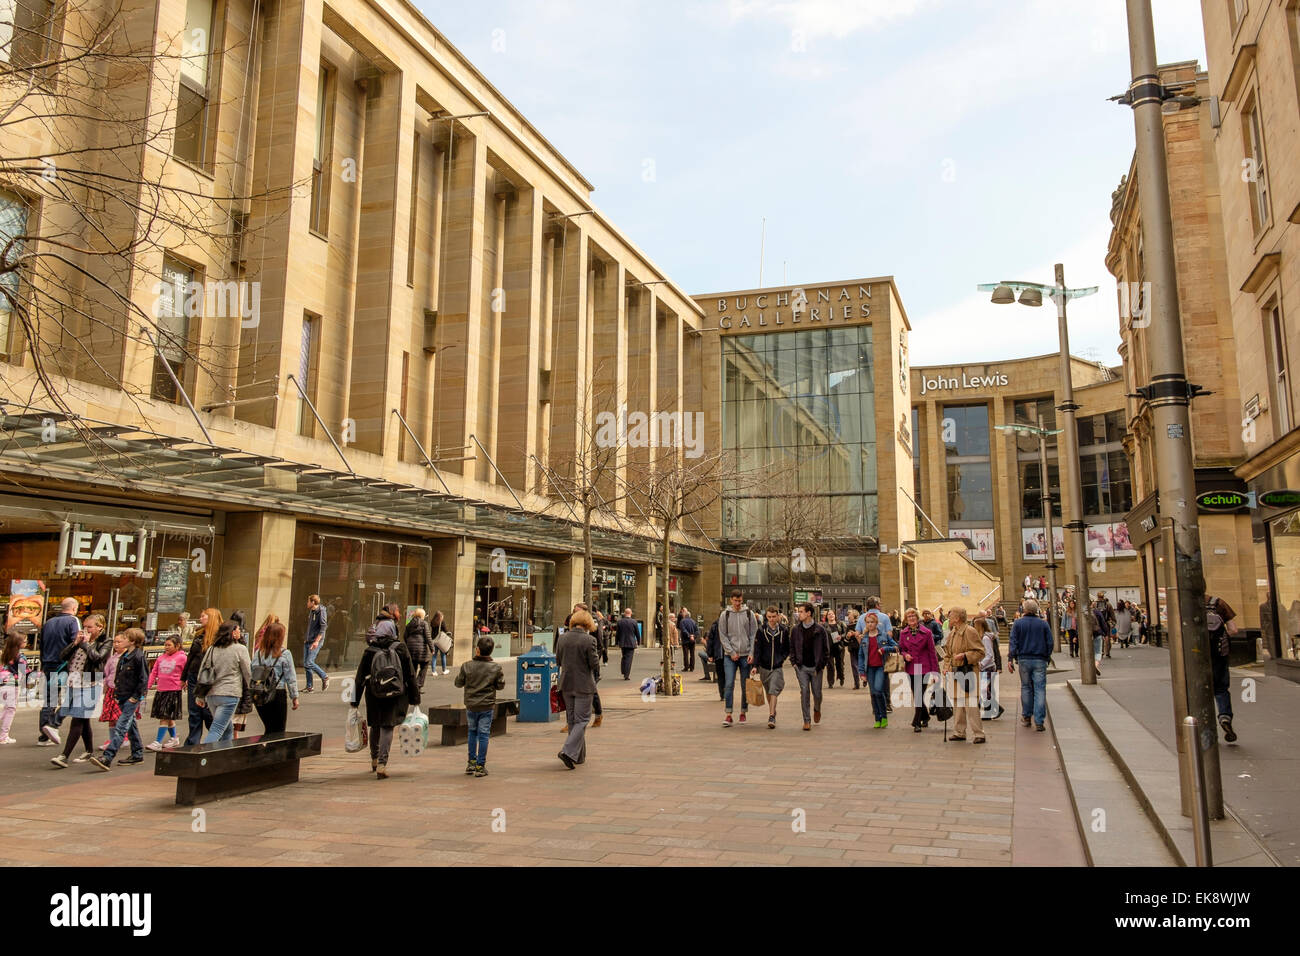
579	662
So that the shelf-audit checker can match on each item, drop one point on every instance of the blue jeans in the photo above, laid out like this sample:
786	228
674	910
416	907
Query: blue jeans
50	685
1222	678
125	729
878	681
223	712
480	729
200	717
1033	688
309	662
439	659
729	669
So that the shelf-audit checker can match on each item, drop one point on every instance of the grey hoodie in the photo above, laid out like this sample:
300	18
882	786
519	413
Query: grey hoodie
736	631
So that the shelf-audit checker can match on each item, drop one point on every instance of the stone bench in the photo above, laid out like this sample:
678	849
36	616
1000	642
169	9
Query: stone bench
455	725
208	771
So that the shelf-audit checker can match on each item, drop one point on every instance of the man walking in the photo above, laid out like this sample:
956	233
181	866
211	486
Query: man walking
627	641
873	607
737	627
59	630
808	643
317	618
1031	644
689	629
1220	620
771	648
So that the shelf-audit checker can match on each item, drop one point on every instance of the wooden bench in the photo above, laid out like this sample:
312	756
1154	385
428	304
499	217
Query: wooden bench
207	771
455	725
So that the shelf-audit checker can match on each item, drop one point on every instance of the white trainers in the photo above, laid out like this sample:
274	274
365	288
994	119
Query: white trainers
82	759
153	745
171	742
52	733
7	740
445	672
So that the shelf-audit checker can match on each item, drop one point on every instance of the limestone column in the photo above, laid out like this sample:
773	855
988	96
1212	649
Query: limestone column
647	587
257	564
452	591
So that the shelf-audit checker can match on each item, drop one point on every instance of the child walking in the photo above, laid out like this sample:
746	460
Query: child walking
482	678
166	706
130	683
13	681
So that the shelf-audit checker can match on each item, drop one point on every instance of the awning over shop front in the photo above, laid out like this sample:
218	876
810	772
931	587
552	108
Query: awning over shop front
51	446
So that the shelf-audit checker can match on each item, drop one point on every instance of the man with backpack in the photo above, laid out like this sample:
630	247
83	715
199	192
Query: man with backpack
1220	621
737	627
388	679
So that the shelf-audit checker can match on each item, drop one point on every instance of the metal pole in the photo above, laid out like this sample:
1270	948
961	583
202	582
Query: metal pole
1196	785
1051	547
1075	545
1169	397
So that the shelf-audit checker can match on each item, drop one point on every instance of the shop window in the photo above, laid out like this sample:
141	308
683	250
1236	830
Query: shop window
308	346
1284	538
320	164
1279	379
190	142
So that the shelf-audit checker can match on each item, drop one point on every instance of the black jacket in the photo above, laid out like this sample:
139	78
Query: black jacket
385	711
771	650
96	653
713	643
419	640
808	645
131	679
627	635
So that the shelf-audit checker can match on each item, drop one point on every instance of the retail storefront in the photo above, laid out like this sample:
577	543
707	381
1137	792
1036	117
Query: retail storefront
138	568
1275	524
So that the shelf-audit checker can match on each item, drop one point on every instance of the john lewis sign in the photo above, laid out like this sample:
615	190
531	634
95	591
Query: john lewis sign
966	379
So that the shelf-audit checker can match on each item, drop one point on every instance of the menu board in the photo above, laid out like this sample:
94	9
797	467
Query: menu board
173	585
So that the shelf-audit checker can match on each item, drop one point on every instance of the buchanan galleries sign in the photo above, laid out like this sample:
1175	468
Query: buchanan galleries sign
794	306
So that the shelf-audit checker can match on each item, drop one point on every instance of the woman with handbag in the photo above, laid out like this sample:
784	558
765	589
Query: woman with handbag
223	674
963	652
200	717
916	644
876	651
277	660
441	642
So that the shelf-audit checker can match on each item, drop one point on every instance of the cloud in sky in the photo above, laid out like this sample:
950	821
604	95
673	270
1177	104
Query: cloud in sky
819	18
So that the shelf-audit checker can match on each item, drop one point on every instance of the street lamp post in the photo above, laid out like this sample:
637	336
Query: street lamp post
1031	293
1169	396
1041	433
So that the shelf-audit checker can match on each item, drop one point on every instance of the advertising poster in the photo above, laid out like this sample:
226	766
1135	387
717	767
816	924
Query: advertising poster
1123	544
1101	540
26	605
1034	543
981	540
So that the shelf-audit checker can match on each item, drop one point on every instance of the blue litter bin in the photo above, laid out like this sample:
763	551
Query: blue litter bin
537	674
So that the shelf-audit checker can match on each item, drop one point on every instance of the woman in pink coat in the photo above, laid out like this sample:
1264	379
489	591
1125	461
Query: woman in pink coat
916	644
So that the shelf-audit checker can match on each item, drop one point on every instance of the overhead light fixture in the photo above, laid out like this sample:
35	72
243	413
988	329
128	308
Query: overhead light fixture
1031	297
1003	295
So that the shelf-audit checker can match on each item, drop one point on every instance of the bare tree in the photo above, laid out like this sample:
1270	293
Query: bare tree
95	193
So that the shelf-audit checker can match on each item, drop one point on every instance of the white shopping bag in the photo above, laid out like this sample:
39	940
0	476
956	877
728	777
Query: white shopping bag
355	737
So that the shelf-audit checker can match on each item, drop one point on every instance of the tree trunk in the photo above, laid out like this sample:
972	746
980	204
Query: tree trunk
667	648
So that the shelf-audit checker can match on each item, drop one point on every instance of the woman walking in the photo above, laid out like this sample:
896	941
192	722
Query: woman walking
437	629
575	652
875	648
1123	622
13	681
231	673
419	641
1070	621
200	717
963	651
388	679
272	653
916	644
771	648
85	658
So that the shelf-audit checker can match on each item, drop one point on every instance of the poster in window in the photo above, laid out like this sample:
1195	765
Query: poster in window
173	585
1123	544
1101	540
981	540
1034	543
26	605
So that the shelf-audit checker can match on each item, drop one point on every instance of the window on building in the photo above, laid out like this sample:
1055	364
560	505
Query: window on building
1104	471
179	300
965	436
307	349
1236	13
1278	373
191	139
25	31
1256	168
13	227
320	164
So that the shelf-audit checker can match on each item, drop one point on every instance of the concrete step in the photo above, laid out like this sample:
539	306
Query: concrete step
1115	828
1151	770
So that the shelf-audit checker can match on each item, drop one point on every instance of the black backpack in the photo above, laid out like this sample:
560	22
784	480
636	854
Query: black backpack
265	682
386	673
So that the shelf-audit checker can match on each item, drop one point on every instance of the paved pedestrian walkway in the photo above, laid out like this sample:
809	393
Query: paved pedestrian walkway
1261	771
664	784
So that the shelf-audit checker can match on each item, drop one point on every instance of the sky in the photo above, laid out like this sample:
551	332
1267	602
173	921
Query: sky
944	142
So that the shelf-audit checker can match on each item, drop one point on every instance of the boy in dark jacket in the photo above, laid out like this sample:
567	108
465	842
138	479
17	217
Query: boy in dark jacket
482	678
713	653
